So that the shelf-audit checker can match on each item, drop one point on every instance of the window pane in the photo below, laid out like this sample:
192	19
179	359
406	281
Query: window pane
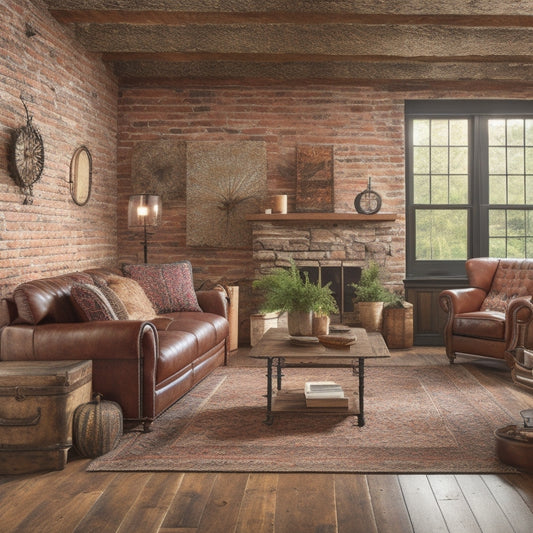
529	247
516	190
515	132
516	247
497	161
516	224
497	247
421	132
459	132
529	189
459	160
515	160
529	132
421	160
421	189
496	132
439	190
441	234
497	227
439	132
439	160
529	160
497	189
458	189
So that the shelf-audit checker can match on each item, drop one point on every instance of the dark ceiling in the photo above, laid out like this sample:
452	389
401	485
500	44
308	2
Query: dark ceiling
411	41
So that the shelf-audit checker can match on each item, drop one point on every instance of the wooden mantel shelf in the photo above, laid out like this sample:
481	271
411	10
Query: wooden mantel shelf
322	217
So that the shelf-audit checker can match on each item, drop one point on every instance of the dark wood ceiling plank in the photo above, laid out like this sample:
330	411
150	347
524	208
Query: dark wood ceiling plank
368	7
399	70
180	17
180	57
330	39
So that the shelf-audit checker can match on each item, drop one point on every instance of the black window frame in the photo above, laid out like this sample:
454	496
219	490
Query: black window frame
477	112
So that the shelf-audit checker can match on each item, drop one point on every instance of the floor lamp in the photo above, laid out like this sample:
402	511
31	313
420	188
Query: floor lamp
144	212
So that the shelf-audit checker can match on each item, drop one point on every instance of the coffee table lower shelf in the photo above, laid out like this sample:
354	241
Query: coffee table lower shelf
293	401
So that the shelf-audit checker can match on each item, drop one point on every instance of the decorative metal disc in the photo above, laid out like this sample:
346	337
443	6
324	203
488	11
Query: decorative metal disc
368	202
27	157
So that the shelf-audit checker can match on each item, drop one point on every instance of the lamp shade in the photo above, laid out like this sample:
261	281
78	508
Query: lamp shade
144	210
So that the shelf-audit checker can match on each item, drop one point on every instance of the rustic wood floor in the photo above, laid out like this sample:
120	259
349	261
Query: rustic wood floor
73	500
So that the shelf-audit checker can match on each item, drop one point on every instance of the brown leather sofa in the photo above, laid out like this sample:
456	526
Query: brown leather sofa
494	314
144	365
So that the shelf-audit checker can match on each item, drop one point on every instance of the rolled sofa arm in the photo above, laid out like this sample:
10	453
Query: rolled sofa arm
124	355
213	301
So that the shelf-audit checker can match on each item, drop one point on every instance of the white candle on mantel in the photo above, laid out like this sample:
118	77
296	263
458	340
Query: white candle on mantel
280	204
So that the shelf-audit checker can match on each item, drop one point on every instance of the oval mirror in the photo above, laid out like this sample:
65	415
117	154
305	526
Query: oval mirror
80	175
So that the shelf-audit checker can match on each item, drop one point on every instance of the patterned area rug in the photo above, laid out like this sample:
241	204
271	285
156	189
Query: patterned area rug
426	419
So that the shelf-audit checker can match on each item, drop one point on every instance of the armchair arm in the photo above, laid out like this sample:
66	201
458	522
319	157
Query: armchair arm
518	317
213	301
456	301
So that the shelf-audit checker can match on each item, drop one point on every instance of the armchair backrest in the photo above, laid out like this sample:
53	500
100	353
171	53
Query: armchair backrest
501	279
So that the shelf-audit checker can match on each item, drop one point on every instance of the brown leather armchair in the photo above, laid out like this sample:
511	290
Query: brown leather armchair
494	314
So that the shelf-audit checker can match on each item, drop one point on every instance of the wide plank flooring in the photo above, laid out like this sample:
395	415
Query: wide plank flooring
73	500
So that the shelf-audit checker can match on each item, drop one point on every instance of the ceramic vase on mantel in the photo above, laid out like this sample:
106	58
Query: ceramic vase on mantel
300	323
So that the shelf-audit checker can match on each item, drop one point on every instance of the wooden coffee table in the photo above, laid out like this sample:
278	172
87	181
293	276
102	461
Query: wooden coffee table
278	350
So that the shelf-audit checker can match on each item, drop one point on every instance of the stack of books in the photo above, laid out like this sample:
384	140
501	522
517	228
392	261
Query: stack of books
324	394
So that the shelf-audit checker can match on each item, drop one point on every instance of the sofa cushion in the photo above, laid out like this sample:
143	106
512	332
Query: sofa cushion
133	297
169	286
48	300
90	303
114	301
486	325
208	328
177	350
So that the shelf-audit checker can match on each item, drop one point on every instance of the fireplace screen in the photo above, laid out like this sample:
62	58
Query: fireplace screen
340	277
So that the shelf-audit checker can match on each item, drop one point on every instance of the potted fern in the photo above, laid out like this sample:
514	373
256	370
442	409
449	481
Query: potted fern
285	289
370	295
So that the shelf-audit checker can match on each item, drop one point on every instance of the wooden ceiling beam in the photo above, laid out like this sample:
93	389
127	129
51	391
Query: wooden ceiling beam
180	57
330	39
170	18
345	7
347	71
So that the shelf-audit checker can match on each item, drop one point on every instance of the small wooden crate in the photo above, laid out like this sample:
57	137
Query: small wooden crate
37	403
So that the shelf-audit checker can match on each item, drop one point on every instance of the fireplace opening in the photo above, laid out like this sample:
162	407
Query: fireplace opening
339	276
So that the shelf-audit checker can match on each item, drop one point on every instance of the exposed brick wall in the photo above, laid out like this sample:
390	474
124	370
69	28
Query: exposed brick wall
72	97
364	124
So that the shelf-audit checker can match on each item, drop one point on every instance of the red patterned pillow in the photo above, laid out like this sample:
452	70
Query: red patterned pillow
90	303
168	286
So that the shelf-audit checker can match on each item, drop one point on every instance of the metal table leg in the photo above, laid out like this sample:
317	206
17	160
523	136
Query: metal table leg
269	416
361	415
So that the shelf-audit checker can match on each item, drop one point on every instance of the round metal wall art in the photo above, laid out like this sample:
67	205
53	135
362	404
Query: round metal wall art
368	202
27	157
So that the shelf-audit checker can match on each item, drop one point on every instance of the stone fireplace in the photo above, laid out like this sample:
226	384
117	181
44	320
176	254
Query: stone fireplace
330	246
